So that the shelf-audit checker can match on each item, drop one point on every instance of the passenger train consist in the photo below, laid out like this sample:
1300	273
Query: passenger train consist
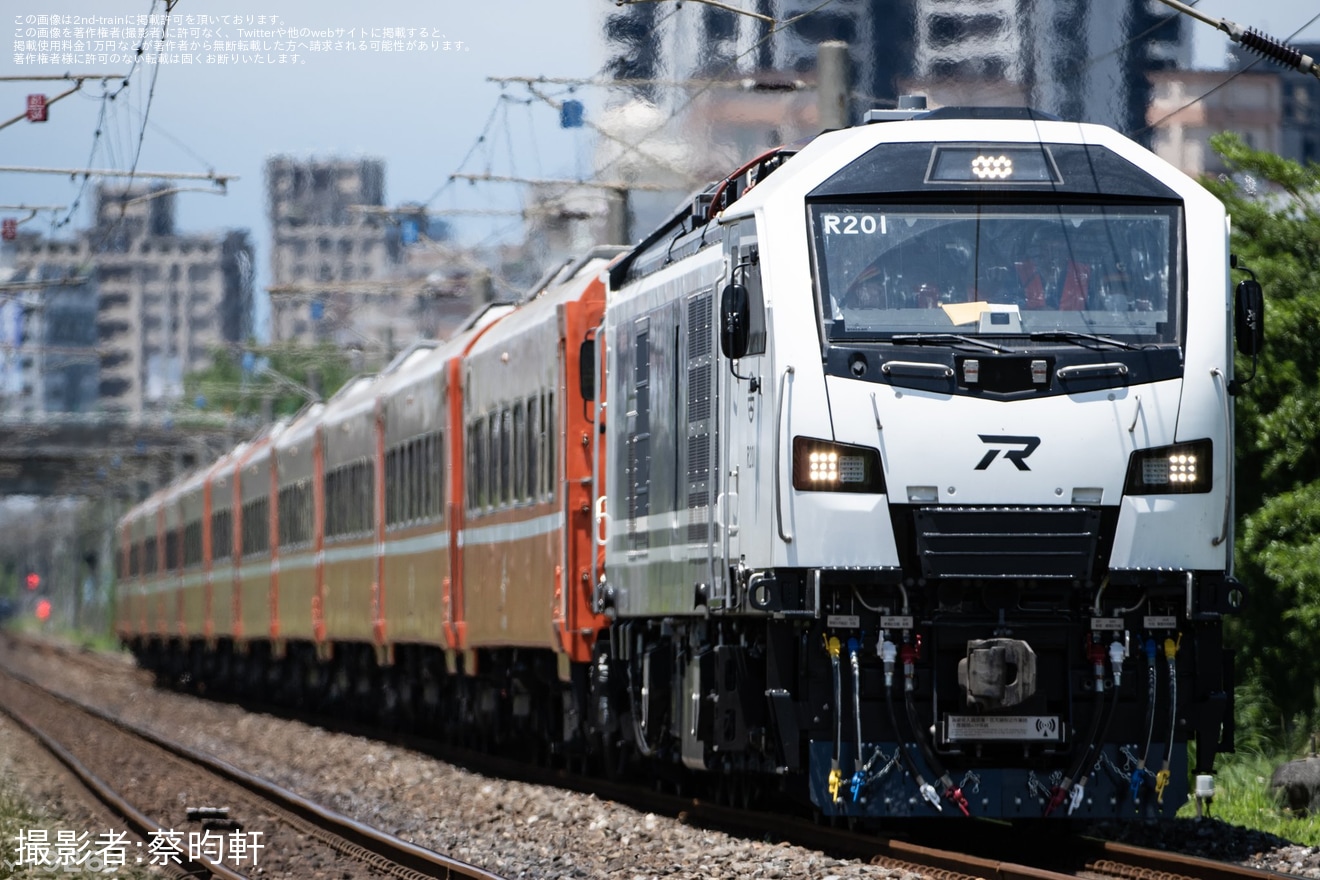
894	472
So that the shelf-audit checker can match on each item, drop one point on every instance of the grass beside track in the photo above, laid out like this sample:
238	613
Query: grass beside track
15	815
1243	797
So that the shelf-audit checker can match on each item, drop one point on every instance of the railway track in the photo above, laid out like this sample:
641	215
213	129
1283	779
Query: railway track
990	850
285	834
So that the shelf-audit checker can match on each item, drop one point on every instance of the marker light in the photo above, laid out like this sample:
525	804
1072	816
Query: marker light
1183	468
989	164
992	167
823	466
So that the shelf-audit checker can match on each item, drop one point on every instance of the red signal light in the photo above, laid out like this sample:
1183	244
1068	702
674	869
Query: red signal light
43	610
33	580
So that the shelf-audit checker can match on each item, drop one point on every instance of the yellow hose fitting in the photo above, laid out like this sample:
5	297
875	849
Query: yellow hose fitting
833	646
1171	647
1161	780
836	783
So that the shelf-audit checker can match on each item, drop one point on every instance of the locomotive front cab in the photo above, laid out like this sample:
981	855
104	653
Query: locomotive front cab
945	476
1024	349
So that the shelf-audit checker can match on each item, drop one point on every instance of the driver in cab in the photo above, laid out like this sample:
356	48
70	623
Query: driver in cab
1050	277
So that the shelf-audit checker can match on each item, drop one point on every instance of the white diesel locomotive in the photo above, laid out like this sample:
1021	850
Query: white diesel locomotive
917	474
892	474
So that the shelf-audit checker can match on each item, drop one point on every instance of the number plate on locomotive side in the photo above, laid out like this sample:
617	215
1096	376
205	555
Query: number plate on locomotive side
1012	728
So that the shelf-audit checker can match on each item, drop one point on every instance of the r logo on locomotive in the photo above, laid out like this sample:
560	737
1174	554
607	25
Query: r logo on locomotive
1017	456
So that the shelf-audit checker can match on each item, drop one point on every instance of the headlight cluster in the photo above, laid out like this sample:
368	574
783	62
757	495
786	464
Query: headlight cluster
825	466
1182	468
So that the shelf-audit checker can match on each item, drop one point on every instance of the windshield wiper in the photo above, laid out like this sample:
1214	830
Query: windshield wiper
1081	338
946	339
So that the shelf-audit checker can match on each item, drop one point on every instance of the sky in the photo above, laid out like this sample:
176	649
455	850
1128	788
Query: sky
423	110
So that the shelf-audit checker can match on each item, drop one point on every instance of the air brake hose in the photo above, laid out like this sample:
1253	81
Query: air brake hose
855	661
951	791
836	775
1094	754
1096	654
889	653
1141	777
1171	655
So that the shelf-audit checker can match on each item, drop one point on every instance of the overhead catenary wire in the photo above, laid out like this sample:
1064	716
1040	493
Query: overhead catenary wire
1261	43
1166	117
106	98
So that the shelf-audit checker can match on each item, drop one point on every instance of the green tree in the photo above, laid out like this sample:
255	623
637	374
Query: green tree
1275	209
273	373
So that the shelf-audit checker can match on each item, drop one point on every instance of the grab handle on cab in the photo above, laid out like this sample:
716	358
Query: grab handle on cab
602	519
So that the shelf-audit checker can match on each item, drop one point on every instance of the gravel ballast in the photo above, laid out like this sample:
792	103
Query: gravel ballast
509	828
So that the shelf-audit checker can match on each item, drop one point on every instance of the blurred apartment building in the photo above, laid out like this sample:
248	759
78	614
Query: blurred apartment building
48	356
1075	58
1272	109
347	271
117	316
704	89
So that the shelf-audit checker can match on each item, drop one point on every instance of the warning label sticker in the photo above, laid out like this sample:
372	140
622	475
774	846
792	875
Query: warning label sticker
971	728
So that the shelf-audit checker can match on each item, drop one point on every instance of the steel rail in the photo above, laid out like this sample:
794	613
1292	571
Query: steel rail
374	842
139	822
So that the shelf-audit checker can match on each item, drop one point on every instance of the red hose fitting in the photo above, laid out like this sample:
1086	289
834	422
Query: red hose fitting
958	799
910	652
1056	797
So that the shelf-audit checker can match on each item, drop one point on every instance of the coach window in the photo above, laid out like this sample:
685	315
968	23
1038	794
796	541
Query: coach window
367	500
519	453
406	489
391	487
328	500
419	485
551	430
328	492
149	556
493	460
542	482
529	448
284	502
256	525
410	481
426	457
304	514
436	475
413	487
473	466
347	498
398	486
192	543
506	456
222	534
423	476
479	472
403	484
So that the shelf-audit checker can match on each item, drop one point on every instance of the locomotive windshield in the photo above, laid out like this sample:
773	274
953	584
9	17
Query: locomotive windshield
1108	270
